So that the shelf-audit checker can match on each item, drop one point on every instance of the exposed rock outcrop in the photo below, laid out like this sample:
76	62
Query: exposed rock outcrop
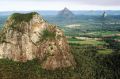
28	36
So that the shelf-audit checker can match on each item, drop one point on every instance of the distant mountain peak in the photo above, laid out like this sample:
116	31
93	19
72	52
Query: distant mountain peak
104	14
65	13
65	9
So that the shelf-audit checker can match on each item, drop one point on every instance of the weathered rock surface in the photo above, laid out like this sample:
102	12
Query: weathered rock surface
27	36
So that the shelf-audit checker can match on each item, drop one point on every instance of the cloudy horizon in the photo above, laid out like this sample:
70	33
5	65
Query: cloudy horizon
28	5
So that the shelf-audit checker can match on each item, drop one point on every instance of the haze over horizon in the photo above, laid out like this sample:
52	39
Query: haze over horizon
28	5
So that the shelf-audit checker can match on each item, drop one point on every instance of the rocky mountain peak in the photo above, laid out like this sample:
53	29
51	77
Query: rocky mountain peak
27	36
66	9
65	13
104	14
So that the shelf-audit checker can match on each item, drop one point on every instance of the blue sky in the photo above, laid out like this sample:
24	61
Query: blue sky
26	5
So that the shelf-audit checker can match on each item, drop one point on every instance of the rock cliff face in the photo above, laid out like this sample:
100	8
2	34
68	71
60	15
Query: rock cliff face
27	36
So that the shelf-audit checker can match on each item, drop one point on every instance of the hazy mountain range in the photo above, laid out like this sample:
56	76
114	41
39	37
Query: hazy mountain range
78	12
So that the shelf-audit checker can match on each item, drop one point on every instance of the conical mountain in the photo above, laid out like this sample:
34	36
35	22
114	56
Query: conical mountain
65	13
104	14
28	36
